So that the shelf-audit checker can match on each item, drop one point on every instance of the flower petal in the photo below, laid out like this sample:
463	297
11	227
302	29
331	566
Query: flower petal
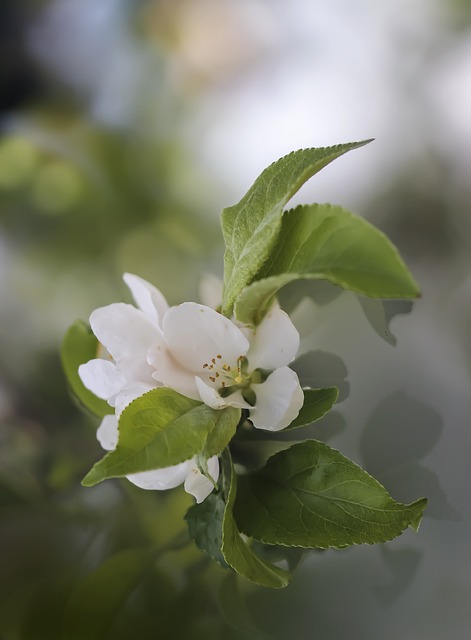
160	479
124	330
168	372
107	432
148	298
130	393
209	395
195	334
102	378
275	342
279	400
210	290
198	484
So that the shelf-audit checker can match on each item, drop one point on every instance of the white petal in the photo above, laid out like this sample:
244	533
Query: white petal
195	334
148	298
107	432
130	393
160	479
209	395
210	290
276	341
279	400
196	483
168	372
124	330
102	378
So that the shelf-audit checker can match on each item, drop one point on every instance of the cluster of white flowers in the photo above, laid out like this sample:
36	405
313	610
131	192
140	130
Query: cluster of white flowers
196	351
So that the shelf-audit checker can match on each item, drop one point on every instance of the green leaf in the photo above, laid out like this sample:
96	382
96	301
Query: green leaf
79	346
312	496
251	227
205	525
235	611
223	432
317	402
236	552
98	599
159	429
328	242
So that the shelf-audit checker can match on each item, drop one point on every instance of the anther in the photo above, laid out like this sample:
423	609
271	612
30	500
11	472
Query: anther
212	378
217	374
213	360
219	356
205	365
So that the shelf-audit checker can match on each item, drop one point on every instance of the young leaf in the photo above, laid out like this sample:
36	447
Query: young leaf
312	496
236	552
159	429
224	429
78	346
327	242
98	599
251	227
205	525
317	402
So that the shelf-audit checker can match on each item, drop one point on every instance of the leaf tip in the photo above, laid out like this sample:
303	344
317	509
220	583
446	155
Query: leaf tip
419	505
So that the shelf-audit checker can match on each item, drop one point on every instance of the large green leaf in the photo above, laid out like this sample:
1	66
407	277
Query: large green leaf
327	242
224	429
251	227
236	551
312	496
79	346
98	599
159	429
317	402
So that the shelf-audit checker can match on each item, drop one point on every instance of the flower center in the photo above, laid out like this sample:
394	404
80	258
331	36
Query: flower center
226	375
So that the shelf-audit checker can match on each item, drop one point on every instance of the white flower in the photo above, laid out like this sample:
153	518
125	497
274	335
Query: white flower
127	334
205	356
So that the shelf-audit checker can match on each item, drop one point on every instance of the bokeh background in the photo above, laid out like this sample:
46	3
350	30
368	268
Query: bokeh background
125	126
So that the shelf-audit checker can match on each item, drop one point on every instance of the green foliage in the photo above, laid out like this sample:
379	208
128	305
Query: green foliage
79	346
328	242
317	402
95	603
159	429
235	549
205	525
252	227
312	496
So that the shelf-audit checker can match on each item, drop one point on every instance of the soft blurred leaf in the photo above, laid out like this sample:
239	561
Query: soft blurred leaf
312	496
251	227
235	611
79	346
96	602
328	242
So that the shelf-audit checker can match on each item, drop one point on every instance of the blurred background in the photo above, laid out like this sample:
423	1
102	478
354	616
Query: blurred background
125	126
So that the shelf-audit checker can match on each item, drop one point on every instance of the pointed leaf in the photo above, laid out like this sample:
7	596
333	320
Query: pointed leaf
328	242
312	496
79	346
205	525
236	552
251	227
159	429
223	432
317	402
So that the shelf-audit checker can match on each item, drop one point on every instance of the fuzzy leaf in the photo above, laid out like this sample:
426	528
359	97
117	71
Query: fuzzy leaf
312	496
327	242
159	429
251	228
79	346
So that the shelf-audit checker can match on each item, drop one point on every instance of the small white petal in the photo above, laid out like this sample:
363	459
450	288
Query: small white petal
279	400
210	290
148	298
168	372
102	378
195	334
276	341
130	393
209	395
160	479
107	432
124	330
196	483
